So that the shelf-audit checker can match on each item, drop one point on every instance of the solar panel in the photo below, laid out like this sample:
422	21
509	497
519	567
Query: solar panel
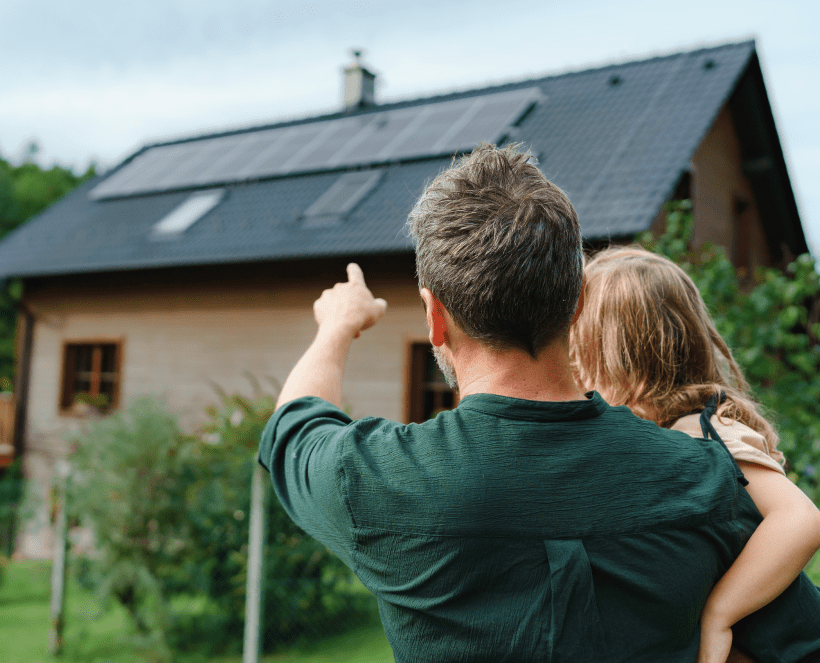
323	154
492	118
435	125
236	155
377	134
189	163
426	130
290	142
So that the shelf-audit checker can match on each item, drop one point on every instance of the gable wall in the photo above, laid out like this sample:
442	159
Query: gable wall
719	191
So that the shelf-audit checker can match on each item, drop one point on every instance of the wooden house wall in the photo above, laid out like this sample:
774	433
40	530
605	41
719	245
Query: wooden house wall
180	342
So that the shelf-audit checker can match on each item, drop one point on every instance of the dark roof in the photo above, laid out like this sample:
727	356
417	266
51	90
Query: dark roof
616	139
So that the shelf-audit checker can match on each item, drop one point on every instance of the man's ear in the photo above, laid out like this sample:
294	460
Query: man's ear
580	306
436	320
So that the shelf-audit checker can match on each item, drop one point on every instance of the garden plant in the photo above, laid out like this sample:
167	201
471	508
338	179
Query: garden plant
169	514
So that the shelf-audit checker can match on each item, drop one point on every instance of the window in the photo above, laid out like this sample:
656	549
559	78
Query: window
341	198
183	216
429	391
91	374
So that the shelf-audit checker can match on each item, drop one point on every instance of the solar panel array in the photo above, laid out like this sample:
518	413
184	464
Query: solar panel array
427	130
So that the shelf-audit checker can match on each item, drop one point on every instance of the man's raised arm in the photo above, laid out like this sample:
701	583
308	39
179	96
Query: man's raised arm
342	313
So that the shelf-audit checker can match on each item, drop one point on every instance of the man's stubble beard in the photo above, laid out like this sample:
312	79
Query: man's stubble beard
446	367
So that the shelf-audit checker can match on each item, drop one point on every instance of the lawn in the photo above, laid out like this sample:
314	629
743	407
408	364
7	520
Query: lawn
91	637
94	638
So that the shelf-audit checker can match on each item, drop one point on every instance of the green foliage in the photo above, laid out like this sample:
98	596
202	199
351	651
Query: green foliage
306	587
772	325
90	638
8	328
25	190
11	494
170	516
129	471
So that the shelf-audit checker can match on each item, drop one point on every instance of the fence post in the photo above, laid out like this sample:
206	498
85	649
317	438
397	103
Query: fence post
254	589
59	567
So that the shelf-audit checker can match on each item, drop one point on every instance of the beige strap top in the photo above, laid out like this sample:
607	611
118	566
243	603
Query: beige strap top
746	445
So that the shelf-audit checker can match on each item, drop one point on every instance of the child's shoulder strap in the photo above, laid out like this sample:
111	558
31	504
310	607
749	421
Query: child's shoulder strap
710	432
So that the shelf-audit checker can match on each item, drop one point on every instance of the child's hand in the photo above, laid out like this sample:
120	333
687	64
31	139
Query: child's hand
715	643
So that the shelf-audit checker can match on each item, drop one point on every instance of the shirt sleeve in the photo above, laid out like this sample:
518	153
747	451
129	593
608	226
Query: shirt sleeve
301	447
745	444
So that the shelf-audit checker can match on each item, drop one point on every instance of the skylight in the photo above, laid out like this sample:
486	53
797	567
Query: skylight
340	199
187	214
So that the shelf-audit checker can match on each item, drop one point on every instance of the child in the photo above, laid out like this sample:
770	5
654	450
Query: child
644	339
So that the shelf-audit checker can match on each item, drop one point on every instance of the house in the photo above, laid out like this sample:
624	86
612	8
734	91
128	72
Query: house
195	262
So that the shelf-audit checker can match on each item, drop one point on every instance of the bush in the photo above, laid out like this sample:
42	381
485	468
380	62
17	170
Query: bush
11	495
170	517
308	591
770	320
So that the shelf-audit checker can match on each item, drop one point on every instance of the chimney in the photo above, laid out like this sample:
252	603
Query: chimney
359	86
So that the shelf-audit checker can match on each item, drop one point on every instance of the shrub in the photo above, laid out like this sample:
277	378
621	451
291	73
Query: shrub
308	591
11	495
170	517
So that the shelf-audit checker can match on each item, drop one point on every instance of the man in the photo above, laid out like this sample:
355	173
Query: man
533	522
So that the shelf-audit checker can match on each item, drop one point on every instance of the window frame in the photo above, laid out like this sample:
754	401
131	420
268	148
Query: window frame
414	380
7	411
71	409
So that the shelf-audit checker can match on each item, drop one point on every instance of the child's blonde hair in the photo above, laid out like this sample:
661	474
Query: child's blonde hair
645	340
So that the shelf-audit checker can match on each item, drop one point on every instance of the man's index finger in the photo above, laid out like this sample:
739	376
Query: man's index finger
355	273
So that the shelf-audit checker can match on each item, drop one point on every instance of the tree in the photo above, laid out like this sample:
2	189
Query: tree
25	191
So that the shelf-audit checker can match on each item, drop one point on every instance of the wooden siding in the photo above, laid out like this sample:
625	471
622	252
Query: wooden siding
723	203
723	200
182	342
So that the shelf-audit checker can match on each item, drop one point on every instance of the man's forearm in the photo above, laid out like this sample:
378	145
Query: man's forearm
320	370
343	312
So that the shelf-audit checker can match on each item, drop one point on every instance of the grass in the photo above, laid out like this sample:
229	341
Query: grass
93	636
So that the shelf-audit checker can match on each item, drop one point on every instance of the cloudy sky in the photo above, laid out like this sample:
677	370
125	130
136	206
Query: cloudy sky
92	80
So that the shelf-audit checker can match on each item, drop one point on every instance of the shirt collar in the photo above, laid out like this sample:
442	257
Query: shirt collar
519	408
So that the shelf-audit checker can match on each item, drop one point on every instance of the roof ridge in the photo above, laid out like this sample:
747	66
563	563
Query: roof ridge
447	95
574	71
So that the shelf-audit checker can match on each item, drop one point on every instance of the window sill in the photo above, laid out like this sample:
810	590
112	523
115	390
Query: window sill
84	411
6	455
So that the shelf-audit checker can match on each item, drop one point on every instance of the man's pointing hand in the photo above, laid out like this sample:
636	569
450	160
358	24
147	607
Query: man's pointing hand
348	307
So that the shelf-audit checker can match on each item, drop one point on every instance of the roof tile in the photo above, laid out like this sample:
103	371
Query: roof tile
616	139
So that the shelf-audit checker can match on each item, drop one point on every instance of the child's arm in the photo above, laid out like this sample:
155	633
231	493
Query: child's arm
773	557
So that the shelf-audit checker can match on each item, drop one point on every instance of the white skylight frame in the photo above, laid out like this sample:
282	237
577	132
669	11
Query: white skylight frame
339	200
186	214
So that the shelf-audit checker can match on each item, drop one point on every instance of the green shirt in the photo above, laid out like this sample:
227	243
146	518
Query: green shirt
514	530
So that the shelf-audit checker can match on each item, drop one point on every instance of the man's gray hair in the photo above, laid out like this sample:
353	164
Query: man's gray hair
500	247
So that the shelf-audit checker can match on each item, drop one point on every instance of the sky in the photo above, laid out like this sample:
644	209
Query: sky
93	80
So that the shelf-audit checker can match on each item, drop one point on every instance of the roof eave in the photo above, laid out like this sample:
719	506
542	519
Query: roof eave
764	162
